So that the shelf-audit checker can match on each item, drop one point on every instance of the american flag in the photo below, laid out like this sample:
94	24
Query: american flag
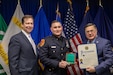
71	32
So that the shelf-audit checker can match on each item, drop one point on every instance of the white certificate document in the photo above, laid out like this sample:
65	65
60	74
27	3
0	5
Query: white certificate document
87	55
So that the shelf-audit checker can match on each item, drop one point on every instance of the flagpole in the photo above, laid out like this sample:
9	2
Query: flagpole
100	3
57	10
18	1
87	1
87	6
70	2
40	3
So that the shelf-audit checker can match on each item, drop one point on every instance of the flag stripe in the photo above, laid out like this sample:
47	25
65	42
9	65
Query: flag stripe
77	70
79	38
74	43
74	69
70	71
73	48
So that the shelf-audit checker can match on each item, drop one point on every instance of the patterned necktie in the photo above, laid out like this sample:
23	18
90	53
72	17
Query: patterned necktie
33	44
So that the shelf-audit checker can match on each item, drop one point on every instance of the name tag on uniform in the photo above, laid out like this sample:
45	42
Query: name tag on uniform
53	46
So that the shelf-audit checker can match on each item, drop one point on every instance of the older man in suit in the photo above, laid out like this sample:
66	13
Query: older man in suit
104	52
22	50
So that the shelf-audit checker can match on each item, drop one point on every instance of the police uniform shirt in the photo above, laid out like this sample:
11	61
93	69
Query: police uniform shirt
53	51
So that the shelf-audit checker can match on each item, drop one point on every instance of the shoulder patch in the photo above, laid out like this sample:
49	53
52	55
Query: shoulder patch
42	42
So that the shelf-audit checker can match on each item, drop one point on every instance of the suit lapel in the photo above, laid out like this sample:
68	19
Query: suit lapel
96	40
26	39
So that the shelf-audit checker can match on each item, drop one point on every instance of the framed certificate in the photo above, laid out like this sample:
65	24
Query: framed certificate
70	58
87	55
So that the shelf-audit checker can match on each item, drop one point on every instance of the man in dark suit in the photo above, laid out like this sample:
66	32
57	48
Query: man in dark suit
53	51
22	50
104	52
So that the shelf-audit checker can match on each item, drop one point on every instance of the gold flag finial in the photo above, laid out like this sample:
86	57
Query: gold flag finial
87	6
57	10
57	7
69	2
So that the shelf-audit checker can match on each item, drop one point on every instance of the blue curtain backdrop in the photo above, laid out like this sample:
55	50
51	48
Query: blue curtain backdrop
7	8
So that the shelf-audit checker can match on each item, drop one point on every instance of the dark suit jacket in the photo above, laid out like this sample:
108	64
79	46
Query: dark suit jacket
105	57
22	59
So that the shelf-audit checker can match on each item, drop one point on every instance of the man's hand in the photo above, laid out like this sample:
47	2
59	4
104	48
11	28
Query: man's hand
91	69
63	64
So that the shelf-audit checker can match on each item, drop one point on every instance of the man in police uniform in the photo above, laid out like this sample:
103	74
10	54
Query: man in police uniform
53	50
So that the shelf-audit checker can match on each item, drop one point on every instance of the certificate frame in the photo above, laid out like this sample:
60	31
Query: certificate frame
87	55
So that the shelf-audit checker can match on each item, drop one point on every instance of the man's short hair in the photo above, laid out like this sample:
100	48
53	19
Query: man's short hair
90	24
54	21
26	16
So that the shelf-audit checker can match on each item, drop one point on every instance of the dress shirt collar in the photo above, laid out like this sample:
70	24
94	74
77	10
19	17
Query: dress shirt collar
93	41
26	34
58	38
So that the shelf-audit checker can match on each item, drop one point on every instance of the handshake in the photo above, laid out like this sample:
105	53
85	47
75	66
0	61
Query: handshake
70	60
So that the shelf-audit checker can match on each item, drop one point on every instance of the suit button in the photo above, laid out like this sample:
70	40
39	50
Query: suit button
62	49
62	54
53	51
50	69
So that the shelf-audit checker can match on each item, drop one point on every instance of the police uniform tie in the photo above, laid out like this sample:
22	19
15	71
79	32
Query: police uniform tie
33	44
